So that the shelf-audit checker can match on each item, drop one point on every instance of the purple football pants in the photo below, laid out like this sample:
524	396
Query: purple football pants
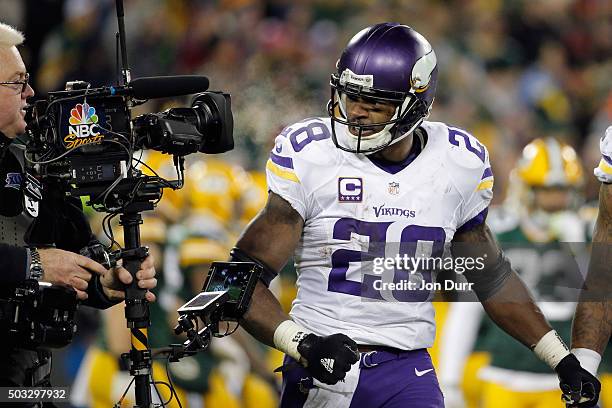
402	379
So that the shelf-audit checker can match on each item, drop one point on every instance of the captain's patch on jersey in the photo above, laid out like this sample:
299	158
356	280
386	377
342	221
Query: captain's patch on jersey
350	189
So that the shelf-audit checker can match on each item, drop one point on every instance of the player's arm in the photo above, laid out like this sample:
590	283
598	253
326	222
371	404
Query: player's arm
592	325
508	302
502	293
270	240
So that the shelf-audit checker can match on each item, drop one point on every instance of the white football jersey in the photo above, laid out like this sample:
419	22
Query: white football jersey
604	170
355	210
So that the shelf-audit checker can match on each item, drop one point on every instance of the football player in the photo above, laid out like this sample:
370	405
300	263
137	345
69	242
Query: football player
343	189
593	319
214	192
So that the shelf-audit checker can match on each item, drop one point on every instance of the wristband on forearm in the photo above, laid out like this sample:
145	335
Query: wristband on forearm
551	349
288	336
589	359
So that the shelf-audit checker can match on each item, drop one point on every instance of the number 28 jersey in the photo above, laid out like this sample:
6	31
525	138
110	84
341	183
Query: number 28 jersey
356	209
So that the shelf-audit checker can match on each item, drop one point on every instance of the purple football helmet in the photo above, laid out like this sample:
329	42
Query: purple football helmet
386	62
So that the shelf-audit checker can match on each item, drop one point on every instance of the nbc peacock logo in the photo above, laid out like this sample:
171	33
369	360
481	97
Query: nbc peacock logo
83	126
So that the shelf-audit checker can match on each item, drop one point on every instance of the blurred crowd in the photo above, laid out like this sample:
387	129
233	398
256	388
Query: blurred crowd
510	71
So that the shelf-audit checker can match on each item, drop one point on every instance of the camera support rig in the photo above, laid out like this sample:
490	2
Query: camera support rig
136	305
197	340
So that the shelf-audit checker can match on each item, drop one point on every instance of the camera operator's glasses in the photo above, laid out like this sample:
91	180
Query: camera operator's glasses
20	85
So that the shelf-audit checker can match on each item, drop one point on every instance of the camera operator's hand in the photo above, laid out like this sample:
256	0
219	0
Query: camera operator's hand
328	358
114	280
68	268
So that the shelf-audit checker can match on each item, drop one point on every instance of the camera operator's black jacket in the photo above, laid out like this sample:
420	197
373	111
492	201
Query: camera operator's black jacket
60	223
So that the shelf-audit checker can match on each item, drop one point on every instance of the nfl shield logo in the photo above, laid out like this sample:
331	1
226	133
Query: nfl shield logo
394	188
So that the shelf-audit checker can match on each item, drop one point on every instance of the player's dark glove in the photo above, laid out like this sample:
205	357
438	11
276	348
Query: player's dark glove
329	358
580	389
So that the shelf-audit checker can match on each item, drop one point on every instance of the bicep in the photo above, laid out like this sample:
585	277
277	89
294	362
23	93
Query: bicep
599	279
592	325
476	242
274	233
603	227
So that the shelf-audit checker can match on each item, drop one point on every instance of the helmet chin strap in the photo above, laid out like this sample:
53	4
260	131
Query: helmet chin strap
373	141
386	143
410	131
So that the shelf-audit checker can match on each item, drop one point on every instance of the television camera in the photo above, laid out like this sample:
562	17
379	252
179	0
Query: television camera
83	142
37	314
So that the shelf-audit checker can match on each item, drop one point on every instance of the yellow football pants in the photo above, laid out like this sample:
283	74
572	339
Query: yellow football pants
472	386
498	396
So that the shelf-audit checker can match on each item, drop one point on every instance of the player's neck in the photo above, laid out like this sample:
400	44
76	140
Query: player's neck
396	152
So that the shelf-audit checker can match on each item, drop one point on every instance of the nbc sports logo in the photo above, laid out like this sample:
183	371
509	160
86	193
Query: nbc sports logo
83	120
350	189
83	127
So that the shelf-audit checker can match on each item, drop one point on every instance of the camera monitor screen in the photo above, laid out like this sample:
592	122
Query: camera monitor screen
228	279
238	279
202	301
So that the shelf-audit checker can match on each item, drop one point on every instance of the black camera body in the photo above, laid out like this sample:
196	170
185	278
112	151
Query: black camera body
38	315
82	140
206	127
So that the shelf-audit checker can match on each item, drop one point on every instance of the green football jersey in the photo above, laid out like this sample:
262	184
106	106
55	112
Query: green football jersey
547	270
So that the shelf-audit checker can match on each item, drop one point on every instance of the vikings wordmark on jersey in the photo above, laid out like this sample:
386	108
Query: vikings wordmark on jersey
356	208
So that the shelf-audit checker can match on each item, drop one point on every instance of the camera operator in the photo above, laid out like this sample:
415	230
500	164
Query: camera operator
39	237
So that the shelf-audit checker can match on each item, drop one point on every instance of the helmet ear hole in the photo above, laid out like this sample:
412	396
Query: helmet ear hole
403	128
412	116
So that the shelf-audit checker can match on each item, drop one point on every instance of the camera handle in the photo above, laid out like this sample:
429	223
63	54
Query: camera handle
136	306
196	341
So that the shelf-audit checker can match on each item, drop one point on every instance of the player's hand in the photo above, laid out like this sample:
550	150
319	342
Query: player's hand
580	388
114	280
328	358
67	268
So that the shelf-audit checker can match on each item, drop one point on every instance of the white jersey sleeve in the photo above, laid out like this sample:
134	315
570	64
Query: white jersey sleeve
282	177
289	168
473	177
604	171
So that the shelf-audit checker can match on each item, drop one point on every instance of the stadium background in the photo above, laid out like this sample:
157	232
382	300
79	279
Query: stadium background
510	71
